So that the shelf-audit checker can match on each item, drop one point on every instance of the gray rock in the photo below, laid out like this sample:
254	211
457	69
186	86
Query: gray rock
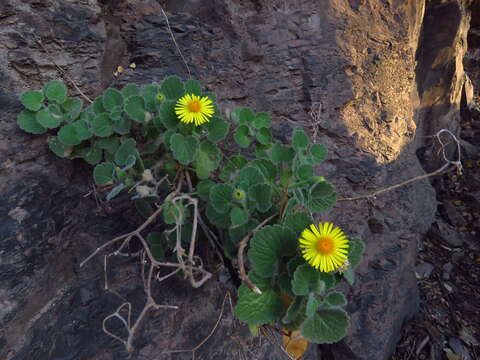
424	270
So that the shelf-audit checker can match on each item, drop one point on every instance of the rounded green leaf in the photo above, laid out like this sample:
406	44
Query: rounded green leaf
203	189
312	305
127	149
68	135
32	100
246	115
321	197
304	172
264	136
207	159
268	246
192	86
216	218
318	153
217	129
58	148
27	122
172	87
83	132
262	120
110	144
103	173
255	309
135	108
184	148
261	194
221	197
298	221
149	93
300	139
294	310
242	136
355	252
47	119
249	176
97	106
304	278
167	116
268	168
327	326
93	156
335	299
281	153
238	216
102	126
73	108
123	125
56	91
112	98
129	90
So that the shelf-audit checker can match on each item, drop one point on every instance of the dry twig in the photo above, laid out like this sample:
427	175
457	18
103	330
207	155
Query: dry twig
456	163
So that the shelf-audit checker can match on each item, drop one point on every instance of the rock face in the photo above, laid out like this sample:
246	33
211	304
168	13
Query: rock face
369	79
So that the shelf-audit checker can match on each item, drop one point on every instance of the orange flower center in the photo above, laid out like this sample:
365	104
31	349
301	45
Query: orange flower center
194	106
325	245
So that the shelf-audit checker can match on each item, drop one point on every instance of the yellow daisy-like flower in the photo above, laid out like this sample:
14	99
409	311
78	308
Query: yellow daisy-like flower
194	109
325	247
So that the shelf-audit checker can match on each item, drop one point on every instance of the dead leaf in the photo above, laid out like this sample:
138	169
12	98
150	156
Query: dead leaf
295	344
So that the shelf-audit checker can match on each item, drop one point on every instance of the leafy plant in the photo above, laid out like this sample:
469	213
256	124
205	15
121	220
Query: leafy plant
168	143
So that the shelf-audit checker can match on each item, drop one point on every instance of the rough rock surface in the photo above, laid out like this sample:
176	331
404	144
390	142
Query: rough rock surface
352	62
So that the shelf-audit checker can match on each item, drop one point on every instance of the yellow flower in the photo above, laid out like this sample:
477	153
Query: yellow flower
325	247
194	109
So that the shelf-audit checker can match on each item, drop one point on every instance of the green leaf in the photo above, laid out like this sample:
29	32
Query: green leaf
216	218
103	173
83	132
318	153
249	176
112	98
237	233
268	246
349	275
192	86
130	90
98	106
327	326
127	149
262	195
355	252
264	136
102	126
184	148
304	172
73	108
321	197
268	169
217	129
68	135
93	155
294	310
238	216
110	144
155	239
203	189
300	139
294	263
298	221
207	159
32	100
335	299
329	280
246	115
221	197
27	122
47	120
149	93
312	305
123	125
304	278
242	136
58	148
167	116
172	87
255	309
56	91
115	191
280	153
262	120
135	108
